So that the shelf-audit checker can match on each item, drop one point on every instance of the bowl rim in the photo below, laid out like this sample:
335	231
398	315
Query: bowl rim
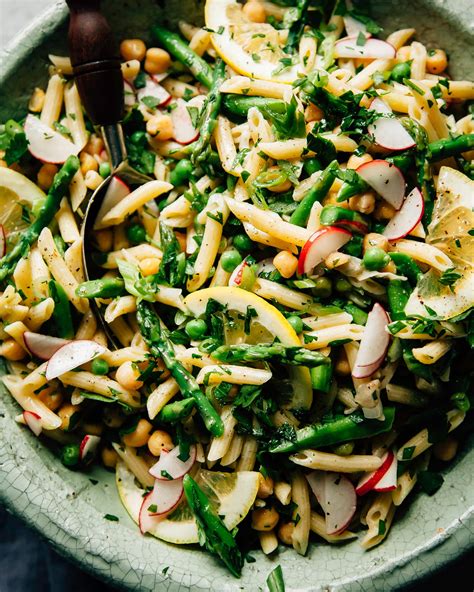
442	549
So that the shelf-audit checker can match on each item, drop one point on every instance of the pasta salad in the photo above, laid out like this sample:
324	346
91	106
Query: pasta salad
290	294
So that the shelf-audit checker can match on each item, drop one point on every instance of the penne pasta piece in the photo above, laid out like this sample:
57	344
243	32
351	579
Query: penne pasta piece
324	337
67	223
423	252
432	352
117	357
73	260
143	251
326	461
102	385
248	455
251	87
120	306
318	526
365	78
77	190
161	395
62	64
302	512
264	238
226	147
379	519
325	321
75	117
220	445
24	281
418	57
406	396
282	492
268	541
281	294
234	450
233	374
200	41
399	38
39	314
136	464
53	101
122	331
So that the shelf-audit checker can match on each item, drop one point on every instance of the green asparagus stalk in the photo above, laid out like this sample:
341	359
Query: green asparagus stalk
56	192
102	288
62	310
244	352
406	266
213	532
436	151
239	105
177	411
161	347
321	377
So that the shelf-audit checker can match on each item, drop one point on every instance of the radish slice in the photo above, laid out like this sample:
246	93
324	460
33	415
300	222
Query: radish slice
159	77
386	179
146	521
88	448
116	191
336	496
265	267
3	241
45	143
170	465
128	94
388	132
354	27
374	343
407	218
72	355
371	49
368	481
33	421
389	481
184	130
157	504
43	346
321	244
153	89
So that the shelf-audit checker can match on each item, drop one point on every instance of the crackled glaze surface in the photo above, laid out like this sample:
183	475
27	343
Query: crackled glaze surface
68	508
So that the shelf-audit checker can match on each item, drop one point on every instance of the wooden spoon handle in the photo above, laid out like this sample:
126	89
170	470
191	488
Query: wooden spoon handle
96	62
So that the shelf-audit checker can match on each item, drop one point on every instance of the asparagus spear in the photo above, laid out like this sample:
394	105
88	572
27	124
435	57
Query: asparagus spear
212	530
62	310
102	288
436	151
160	346
51	204
293	355
177	411
240	104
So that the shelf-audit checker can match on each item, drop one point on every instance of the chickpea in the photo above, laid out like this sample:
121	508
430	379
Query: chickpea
265	487
92	428
109	457
342	367
313	113
127	375
446	449
66	413
104	239
436	61
88	163
12	351
140	435
130	70
363	203
384	211
51	398
149	266
404	53
254	11
286	263
285	533
95	145
264	519
160	126
373	239
132	49
159	441
355	162
36	102
157	60
46	175
92	180
113	418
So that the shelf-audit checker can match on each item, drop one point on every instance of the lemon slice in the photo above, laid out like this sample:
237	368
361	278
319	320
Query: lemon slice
266	324
231	496
450	231
16	190
252	49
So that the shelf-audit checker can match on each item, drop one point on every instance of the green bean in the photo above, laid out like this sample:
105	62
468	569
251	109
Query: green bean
398	292
337	216
102	288
321	377
177	411
244	352
70	455
62	310
406	266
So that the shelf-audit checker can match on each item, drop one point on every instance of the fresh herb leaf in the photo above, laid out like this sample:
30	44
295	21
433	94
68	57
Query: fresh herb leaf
111	517
430	481
275	580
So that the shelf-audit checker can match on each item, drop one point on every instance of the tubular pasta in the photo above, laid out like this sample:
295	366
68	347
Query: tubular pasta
326	461
318	526
53	101
159	397
324	337
216	374
274	291
423	252
248	455
39	314
102	385
220	444
300	497
75	117
380	512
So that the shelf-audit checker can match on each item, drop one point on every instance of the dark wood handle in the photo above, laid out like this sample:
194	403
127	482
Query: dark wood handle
96	62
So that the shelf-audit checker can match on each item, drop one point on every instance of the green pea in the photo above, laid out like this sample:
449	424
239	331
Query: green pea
139	138
70	455
104	169
230	259
243	243
322	288
375	259
461	401
136	234
99	366
344	449
296	323
401	71
196	328
181	172
342	285
312	165
12	127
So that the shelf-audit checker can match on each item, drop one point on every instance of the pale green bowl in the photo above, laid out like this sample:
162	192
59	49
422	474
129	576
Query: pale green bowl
68	509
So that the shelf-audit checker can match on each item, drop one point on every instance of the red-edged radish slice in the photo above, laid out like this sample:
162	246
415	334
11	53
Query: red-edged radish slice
236	276
128	94
47	144
3	241
386	179
374	343
33	421
388	132
117	189
159	77
146	521
371	49
43	346
184	130
165	496
153	89
354	27
265	266
407	218
352	225
316	480
336	496
389	481
72	355
170	465
88	448
368	481
322	243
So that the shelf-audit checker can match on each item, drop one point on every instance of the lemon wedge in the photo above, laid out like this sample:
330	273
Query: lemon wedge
231	496
450	231
16	190
266	324
252	49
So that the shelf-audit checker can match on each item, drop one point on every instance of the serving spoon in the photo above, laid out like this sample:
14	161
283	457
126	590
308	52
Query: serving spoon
96	66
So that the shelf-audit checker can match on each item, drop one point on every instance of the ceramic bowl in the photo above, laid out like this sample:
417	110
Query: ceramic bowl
68	508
